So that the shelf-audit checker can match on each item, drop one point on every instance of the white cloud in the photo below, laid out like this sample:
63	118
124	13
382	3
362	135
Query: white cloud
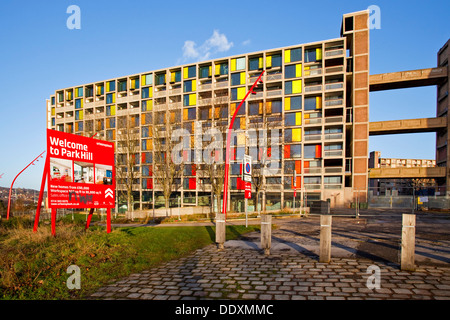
218	42
246	42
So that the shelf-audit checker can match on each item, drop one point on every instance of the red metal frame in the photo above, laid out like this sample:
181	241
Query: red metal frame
10	189
227	153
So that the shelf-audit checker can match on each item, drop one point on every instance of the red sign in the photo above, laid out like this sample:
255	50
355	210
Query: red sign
248	190
80	172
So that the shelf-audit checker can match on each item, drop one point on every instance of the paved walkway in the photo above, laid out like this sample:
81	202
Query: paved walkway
291	271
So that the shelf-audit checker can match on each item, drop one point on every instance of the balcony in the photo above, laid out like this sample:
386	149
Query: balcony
313	137
334	119
315	170
158	94
309	186
175	91
332	186
204	102
334	102
221	84
273	93
333	153
273	77
334	69
313	72
333	169
313	88
334	53
334	86
333	136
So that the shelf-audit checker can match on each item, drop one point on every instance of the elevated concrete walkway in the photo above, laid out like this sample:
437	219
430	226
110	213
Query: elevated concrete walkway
407	126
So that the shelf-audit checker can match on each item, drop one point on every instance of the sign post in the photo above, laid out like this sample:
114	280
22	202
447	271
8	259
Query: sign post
295	189
79	173
247	178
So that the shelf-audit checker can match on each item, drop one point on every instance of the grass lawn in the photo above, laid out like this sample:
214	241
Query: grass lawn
33	265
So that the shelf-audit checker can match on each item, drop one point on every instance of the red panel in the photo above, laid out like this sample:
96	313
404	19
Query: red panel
287	151
318	151
192	184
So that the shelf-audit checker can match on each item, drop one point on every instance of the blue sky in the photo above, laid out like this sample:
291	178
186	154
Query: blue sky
39	54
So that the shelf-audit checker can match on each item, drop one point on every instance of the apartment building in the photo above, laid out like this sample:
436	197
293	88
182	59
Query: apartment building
315	97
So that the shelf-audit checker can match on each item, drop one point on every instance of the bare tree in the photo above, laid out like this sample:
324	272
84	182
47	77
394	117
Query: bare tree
165	170
127	158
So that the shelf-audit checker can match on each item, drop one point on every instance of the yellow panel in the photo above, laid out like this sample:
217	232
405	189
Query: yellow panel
306	115
319	102
150	92
217	71
113	110
113	99
185	114
172	77
81	115
107	87
233	64
268	61
260	108
298	70
287	103
53	111
143	80
210	71
287	56
242	123
232	108
242	78
240	93
185	72
260	65
143	118
269	107
194	85
298	118
297	86
192	99
297	134
319	54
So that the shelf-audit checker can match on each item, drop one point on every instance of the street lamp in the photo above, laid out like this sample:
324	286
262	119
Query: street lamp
227	153
10	189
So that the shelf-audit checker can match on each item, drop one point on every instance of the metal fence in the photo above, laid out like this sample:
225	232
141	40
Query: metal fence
414	198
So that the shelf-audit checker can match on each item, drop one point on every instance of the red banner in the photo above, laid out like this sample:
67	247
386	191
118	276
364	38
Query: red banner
81	171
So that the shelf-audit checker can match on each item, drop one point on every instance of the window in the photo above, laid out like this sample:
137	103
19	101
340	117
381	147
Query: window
241	111
205	71
313	103
111	110
147	105
255	63
189	86
53	101
221	69
110	86
293	135
160	79
147	79
276	106
294	86
293	71
78	103
122	85
293	119
312	151
273	61
292	151
333	147
134	83
147	92
237	64
292	55
237	93
78	92
110	98
293	103
79	115
237	78
190	99
175	76
254	108
312	55
189	72
111	123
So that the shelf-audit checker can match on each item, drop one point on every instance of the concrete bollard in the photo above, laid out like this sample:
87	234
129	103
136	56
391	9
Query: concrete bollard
266	233
325	239
408	242
220	230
